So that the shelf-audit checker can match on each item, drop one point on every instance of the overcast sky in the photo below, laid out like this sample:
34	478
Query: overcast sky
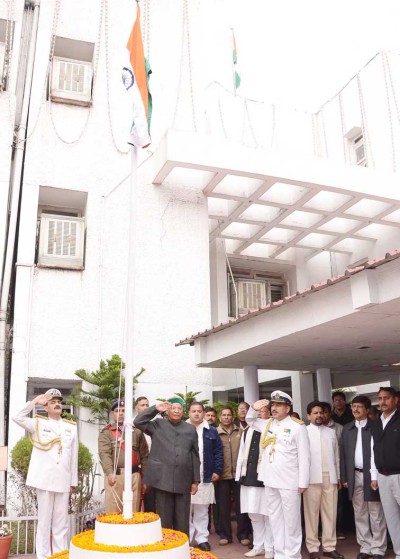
301	52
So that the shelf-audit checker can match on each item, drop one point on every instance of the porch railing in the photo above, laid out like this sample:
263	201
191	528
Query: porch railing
24	529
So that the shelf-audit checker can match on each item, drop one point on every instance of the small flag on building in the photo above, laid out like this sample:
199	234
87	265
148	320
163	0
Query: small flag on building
136	81
236	76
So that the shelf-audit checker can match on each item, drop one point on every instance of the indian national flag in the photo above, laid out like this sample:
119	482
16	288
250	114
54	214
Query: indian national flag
136	80
236	76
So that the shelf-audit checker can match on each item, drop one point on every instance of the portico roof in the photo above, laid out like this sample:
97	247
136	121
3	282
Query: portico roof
281	208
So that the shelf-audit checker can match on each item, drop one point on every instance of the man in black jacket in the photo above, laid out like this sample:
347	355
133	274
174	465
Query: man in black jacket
174	464
386	441
355	464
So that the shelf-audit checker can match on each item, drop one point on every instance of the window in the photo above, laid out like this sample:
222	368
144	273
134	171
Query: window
61	228
356	146
72	72
254	291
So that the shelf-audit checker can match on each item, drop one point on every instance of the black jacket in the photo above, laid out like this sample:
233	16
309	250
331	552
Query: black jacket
348	443
387	445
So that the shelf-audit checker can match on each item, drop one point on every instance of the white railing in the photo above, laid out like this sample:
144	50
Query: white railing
24	529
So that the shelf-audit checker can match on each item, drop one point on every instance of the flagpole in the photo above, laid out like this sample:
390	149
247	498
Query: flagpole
127	497
233	63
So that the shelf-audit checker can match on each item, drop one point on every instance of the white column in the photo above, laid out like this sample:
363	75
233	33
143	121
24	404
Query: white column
218	283
324	384
250	384
302	391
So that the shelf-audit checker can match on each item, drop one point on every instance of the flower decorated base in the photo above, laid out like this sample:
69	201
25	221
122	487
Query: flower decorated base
5	544
194	554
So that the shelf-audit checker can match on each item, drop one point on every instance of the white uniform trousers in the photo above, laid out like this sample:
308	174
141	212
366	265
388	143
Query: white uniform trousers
285	520
370	521
320	498
262	533
198	523
389	490
52	518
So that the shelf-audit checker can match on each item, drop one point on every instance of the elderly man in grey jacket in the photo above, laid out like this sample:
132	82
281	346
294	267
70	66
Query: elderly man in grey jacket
173	468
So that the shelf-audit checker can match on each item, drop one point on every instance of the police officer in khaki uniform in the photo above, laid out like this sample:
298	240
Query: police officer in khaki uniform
112	458
53	469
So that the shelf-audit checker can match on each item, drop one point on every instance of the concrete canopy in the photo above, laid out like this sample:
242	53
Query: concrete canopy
279	209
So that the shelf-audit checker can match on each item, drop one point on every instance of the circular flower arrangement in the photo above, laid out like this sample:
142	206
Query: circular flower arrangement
137	518
171	539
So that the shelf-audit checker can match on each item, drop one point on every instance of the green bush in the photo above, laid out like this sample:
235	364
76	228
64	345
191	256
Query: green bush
82	498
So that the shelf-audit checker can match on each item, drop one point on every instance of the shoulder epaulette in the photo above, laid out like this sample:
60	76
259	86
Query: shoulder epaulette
69	421
38	416
106	427
299	421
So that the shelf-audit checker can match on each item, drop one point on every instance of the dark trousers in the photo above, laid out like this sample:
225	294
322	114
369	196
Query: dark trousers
149	501
224	490
174	510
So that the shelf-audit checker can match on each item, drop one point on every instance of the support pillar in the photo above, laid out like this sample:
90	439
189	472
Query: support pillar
250	384
302	392
324	384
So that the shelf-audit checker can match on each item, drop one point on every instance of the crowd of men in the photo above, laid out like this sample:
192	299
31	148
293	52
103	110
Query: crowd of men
289	482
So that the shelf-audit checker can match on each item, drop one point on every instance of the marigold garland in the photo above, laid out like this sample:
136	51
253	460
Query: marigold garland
138	518
171	539
194	554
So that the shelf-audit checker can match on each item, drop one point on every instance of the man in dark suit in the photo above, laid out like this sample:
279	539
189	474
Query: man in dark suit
173	468
386	441
355	465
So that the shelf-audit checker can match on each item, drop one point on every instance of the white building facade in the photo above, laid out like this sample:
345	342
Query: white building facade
232	213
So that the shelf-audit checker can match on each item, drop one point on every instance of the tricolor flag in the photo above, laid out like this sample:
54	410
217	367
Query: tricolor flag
136	81
236	77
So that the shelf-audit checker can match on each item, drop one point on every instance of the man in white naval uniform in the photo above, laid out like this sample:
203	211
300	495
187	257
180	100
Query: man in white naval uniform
53	469
284	469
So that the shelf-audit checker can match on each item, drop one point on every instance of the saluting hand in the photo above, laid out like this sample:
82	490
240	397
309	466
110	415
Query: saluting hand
42	399
163	406
260	404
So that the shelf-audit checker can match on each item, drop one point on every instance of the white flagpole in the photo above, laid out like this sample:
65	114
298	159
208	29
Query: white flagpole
127	497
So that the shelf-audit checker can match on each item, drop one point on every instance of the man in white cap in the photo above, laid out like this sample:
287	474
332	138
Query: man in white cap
53	469
284	469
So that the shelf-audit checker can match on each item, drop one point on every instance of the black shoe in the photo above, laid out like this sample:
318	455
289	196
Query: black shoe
205	546
363	556
333	554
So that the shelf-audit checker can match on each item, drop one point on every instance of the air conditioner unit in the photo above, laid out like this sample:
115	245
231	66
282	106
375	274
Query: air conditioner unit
71	81
251	295
2	58
61	242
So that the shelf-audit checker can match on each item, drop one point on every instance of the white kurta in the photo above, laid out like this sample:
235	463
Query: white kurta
55	469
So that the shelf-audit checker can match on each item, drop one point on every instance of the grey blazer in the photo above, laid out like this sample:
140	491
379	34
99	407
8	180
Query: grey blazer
174	462
347	449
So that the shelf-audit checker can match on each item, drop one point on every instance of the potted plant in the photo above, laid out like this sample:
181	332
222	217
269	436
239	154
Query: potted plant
5	540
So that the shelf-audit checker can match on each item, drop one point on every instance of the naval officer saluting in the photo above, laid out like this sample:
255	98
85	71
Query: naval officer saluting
284	469
53	469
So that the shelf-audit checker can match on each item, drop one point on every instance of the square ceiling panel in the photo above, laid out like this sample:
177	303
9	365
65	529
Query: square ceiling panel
241	230
377	231
327	201
220	207
192	178
340	225
316	240
394	217
261	212
280	235
300	219
259	250
367	208
231	245
283	193
236	185
295	254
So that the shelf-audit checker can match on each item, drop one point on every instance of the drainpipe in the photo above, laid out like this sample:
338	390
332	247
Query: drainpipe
15	187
